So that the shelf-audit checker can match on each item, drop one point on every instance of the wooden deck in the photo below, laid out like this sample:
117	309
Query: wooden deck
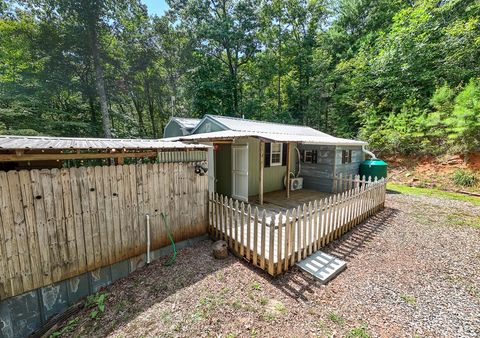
277	201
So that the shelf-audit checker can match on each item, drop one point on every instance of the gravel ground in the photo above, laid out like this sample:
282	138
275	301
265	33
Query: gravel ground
412	270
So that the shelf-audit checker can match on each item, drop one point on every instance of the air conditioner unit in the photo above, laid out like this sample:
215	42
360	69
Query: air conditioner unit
296	183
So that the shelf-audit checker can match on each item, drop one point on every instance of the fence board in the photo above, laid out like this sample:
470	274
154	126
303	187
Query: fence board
20	229
31	234
11	249
69	223
59	219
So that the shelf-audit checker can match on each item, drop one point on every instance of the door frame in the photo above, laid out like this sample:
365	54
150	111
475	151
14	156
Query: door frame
234	195
212	186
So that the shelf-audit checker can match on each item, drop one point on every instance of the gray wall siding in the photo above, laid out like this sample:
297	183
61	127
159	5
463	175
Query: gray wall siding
172	129
207	126
318	176
349	168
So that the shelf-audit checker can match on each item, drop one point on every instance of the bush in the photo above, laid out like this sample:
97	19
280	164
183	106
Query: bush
464	178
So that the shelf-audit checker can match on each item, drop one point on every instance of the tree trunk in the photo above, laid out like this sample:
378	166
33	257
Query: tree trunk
100	80
151	108
139	110
93	114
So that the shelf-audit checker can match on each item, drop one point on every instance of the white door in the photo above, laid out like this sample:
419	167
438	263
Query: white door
211	168
240	172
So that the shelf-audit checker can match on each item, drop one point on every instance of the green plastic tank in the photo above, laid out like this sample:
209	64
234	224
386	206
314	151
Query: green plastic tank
373	167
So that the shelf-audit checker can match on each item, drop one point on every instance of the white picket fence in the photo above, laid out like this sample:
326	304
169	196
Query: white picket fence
278	241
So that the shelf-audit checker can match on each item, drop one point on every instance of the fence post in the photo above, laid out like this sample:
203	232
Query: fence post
279	243
255	235
293	226
315	226
249	220
242	234
271	246
264	229
299	235
235	225
310	228
287	240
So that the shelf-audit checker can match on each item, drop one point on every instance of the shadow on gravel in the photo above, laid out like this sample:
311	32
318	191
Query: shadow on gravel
298	285
393	192
349	245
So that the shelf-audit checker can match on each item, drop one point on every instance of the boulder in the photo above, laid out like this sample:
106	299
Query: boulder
220	249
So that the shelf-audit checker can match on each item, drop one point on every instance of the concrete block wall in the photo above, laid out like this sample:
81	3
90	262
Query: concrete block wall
23	314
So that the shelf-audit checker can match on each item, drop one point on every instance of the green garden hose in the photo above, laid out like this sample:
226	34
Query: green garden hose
169	234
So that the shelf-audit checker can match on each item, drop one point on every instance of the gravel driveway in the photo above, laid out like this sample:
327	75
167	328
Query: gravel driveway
413	270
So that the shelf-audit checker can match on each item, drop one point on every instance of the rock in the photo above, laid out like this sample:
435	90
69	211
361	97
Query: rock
220	249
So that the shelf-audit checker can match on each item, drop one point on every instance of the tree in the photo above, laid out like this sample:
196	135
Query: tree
226	31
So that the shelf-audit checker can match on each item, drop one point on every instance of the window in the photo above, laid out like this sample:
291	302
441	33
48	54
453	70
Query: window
276	153
309	156
346	156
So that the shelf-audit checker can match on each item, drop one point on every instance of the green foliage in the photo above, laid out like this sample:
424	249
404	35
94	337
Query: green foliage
96	303
464	178
410	300
401	75
70	327
358	332
336	318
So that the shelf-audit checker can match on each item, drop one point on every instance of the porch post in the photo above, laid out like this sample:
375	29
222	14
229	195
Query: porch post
260	183
288	170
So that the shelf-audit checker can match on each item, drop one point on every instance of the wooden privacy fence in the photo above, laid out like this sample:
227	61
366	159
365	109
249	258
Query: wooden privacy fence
59	223
276	242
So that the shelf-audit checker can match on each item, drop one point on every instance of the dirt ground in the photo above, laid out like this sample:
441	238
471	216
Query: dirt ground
413	270
432	172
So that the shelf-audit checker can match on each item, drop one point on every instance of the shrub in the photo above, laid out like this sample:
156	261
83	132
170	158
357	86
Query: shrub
464	178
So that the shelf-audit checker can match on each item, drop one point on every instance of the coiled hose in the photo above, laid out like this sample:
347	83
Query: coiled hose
169	234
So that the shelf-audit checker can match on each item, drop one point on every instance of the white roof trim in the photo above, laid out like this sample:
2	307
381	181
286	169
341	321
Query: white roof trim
269	137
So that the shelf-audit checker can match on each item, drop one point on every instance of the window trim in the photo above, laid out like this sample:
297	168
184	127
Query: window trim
346	156
276	164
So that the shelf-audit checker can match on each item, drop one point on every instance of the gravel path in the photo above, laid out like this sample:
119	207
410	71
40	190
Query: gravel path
413	270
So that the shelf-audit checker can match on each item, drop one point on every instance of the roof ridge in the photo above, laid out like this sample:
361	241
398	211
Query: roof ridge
261	121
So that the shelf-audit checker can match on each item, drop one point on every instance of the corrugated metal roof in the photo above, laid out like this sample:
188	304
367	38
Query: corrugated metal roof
271	137
187	123
41	142
244	125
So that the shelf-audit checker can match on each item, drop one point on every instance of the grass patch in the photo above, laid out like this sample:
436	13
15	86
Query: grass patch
358	332
464	178
280	307
336	318
263	301
403	189
236	304
166	317
256	286
410	300
463	220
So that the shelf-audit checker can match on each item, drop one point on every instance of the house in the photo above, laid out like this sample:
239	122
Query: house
180	126
251	158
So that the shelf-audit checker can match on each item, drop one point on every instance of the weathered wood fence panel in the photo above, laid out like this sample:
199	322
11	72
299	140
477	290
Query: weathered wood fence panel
59	223
277	242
